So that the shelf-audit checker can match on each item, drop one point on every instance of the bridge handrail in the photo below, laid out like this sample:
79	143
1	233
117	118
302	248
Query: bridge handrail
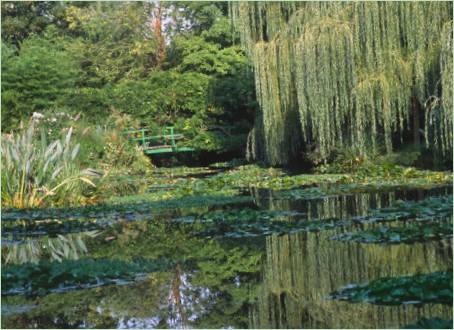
146	129
172	137
157	137
136	130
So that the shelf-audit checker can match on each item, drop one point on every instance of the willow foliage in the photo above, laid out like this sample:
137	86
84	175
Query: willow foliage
336	74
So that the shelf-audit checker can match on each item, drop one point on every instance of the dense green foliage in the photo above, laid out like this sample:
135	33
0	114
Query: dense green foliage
41	77
58	160
179	67
336	75
342	86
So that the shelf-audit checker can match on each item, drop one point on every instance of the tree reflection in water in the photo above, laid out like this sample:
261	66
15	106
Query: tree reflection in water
277	281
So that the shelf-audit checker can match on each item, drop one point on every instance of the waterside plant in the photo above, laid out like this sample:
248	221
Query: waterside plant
36	173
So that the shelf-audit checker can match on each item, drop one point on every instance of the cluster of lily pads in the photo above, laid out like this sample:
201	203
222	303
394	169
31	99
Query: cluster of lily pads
250	222
416	289
419	221
178	189
401	234
45	277
240	221
130	208
430	219
179	183
423	210
433	323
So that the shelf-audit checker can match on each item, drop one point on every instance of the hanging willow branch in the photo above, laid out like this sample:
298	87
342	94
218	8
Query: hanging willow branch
342	74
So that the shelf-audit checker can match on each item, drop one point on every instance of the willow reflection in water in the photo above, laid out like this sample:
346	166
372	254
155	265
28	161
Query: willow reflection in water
265	282
302	269
340	206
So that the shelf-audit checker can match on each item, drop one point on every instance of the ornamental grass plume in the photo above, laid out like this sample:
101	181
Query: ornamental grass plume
36	174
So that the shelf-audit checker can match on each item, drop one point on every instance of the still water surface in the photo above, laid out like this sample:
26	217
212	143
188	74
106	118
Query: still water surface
272	281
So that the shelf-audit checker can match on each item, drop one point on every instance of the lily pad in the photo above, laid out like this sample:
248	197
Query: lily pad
45	277
434	323
417	289
402	234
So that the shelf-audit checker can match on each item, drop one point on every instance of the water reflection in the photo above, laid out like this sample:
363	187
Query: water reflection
33	250
265	282
302	269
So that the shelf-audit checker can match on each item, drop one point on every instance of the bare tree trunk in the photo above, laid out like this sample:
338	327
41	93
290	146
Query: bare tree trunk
157	26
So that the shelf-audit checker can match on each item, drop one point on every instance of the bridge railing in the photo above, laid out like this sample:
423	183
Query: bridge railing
157	143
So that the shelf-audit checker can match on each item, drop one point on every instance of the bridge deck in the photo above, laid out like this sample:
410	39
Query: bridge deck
168	138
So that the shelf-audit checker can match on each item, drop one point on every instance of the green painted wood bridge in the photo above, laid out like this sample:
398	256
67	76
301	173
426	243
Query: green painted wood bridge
166	142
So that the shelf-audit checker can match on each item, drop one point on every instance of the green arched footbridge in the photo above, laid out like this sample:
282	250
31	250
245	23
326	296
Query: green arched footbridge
166	142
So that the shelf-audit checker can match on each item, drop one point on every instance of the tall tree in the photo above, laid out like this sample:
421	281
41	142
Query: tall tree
40	77
23	18
332	75
157	27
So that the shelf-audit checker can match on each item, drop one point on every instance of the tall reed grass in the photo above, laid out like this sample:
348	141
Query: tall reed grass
36	173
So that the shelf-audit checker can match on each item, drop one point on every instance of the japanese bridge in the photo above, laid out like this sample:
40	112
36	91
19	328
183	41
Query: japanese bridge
165	142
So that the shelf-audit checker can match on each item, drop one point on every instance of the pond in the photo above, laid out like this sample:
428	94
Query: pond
276	259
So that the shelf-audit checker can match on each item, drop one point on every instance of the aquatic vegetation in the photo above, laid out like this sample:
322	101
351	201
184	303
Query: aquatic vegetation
402	234
264	228
394	174
233	182
131	207
352	99
424	210
434	323
248	230
200	234
161	173
249	222
302	193
44	174
45	277
416	289
18	229
246	215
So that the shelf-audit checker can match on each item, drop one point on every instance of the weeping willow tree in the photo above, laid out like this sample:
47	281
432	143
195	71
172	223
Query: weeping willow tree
347	74
301	270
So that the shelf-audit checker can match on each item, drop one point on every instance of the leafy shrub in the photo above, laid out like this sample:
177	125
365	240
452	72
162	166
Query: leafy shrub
35	173
125	165
103	147
40	77
348	160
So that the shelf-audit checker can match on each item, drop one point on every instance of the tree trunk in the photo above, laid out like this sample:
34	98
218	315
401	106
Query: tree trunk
157	25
